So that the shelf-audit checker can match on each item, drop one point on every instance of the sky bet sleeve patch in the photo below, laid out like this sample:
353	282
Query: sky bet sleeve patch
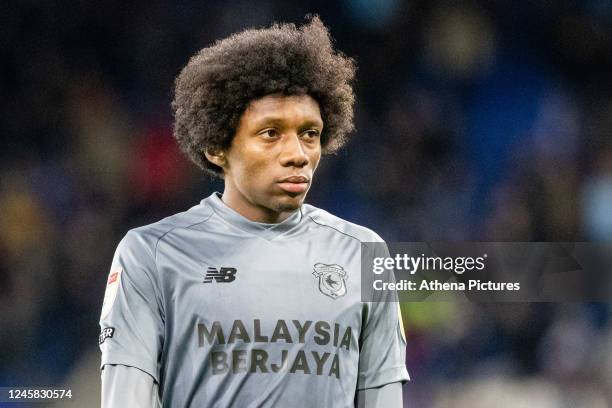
106	333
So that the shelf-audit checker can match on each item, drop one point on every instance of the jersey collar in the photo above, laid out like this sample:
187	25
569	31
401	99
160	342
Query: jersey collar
268	231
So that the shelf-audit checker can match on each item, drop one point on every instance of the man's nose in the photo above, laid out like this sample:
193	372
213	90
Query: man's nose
293	153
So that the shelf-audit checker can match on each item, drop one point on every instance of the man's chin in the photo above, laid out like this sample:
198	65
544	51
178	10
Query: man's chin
290	202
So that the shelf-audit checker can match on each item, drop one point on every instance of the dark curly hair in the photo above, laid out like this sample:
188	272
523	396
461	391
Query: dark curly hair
215	87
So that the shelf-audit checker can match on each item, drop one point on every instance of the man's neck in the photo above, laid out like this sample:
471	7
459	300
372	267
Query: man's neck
252	211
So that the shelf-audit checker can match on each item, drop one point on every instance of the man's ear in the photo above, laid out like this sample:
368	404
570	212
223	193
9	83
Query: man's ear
216	157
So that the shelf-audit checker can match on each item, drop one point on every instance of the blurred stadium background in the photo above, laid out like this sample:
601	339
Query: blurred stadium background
476	120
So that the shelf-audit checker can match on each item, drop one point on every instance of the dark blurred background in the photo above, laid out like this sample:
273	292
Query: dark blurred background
476	120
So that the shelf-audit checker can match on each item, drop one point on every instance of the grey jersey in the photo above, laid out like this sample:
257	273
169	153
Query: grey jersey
222	311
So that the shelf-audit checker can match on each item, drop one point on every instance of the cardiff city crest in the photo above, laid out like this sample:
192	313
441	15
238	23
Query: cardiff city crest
331	279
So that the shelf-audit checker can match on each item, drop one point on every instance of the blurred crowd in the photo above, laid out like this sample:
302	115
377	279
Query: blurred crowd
476	121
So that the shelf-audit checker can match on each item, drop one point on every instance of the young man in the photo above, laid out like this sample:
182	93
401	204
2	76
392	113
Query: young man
252	298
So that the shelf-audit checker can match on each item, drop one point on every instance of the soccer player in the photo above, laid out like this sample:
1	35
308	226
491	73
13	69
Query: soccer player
253	298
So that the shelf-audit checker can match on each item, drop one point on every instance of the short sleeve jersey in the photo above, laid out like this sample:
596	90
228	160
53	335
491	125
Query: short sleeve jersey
222	311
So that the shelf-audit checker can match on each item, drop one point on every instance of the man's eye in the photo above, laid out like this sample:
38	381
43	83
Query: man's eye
311	134
269	133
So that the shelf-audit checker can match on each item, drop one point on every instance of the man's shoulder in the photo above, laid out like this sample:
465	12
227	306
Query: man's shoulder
149	235
325	219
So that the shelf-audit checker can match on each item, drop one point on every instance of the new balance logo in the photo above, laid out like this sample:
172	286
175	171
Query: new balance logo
224	275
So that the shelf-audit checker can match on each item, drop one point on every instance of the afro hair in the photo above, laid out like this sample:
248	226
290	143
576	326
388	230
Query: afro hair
214	89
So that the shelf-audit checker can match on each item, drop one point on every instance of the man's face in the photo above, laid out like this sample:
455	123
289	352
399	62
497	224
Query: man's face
270	164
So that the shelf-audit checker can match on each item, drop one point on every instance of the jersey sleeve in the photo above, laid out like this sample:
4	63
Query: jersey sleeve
132	321
387	396
124	386
382	356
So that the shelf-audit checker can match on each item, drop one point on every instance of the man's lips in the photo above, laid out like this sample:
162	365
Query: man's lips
294	184
295	179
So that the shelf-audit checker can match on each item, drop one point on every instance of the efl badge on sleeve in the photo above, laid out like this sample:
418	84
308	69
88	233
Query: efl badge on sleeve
331	279
112	285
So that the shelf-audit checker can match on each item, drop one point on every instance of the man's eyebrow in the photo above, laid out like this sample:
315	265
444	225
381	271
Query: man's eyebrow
279	121
268	119
309	122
